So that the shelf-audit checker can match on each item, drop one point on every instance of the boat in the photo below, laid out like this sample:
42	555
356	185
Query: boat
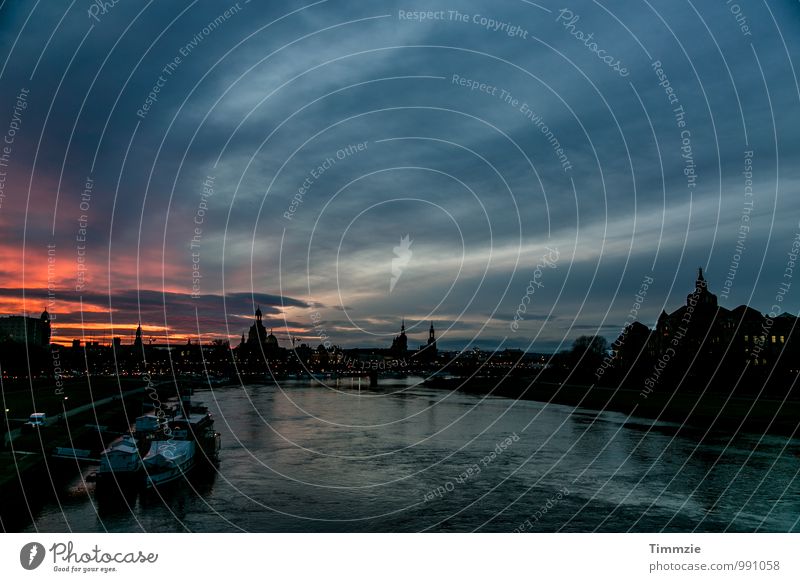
188	437
73	454
168	460
194	422
121	460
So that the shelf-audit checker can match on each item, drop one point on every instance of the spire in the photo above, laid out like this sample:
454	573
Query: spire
403	325
701	282
258	313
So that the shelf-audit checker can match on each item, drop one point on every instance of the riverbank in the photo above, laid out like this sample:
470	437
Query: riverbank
27	468
711	410
308	458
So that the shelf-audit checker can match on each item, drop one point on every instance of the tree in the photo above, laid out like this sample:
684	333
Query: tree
590	346
587	354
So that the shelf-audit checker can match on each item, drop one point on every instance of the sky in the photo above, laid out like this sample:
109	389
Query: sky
518	173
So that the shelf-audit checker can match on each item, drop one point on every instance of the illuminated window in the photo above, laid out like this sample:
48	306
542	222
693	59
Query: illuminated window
747	338
773	339
783	339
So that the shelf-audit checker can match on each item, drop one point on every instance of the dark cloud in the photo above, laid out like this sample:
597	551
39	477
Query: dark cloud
265	96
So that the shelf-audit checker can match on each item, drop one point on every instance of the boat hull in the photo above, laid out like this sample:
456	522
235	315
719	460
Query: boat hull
168	460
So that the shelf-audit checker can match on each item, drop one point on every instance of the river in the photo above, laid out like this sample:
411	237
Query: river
303	458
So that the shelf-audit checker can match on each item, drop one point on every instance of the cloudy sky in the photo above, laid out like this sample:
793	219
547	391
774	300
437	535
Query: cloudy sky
540	155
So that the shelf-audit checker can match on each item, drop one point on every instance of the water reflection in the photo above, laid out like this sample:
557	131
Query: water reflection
307	458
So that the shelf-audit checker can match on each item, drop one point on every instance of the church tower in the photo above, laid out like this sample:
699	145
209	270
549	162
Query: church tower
701	294
137	342
257	334
400	343
431	347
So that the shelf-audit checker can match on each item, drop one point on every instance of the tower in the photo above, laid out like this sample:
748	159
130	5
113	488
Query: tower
46	330
430	349
400	343
257	334
701	294
137	342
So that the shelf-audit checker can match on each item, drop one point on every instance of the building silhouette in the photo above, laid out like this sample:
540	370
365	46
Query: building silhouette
400	342
259	347
428	351
704	342
26	330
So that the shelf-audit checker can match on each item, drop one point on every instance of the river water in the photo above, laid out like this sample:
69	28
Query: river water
302	458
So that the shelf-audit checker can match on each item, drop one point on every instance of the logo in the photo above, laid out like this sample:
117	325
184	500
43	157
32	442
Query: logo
402	254
31	555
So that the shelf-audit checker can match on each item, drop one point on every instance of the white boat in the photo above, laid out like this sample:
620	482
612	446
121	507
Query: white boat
168	460
121	458
195	423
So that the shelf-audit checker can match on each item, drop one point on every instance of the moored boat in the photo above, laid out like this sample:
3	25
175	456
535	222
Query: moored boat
121	459
168	460
194	422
